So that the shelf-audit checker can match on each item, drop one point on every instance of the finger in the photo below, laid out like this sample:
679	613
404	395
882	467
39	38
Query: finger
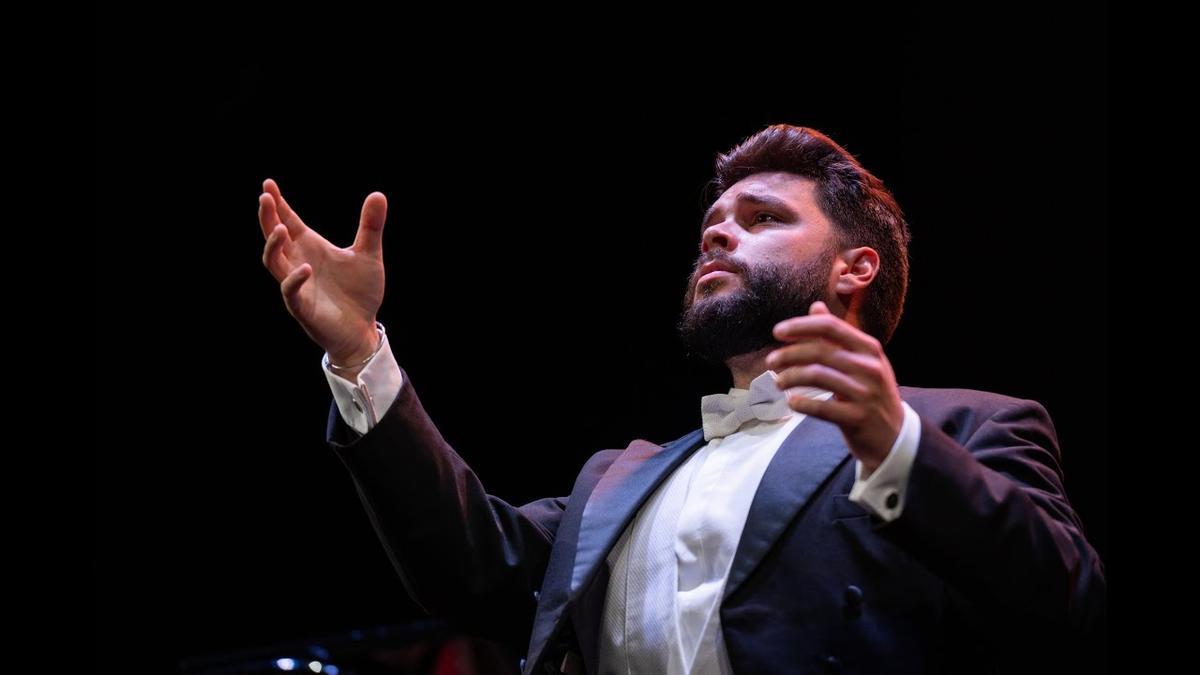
286	214
370	225
274	257
290	288
845	387
829	327
799	353
268	217
826	353
828	409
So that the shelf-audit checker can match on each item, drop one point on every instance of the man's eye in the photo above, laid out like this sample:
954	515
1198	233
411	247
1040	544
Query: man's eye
768	215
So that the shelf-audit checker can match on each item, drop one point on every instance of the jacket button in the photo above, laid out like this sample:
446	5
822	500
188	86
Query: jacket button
831	665
854	602
537	595
522	666
892	500
854	595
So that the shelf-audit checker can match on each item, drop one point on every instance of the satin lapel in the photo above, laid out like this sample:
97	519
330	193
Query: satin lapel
621	491
807	457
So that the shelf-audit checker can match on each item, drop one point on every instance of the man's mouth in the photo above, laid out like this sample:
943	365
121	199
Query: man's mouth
714	270
715	274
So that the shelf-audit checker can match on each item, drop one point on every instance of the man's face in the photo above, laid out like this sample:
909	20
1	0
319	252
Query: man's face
777	251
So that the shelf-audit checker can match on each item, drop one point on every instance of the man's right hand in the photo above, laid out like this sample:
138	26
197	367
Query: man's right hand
334	293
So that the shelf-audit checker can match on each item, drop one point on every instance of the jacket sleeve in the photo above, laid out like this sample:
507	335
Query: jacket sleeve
991	517
462	554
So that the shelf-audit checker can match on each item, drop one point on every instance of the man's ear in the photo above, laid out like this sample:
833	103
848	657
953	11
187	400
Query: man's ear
855	269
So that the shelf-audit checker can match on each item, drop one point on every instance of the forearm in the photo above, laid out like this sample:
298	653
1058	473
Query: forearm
461	553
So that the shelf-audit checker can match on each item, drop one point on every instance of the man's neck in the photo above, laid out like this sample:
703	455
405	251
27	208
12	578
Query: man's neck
745	367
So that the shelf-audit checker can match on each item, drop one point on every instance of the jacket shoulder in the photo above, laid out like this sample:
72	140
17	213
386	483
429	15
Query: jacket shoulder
600	461
950	397
958	411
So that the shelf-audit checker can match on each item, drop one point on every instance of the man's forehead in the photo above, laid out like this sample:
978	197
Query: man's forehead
771	186
779	183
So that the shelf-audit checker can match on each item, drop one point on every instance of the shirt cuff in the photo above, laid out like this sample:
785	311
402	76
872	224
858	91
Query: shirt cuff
882	493
377	386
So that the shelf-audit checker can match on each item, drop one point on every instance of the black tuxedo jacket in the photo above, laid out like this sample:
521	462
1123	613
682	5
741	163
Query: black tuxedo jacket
986	570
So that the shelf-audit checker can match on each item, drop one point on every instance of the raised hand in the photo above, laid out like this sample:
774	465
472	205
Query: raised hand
832	354
334	293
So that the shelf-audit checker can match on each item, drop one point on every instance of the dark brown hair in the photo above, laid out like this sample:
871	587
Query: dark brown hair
862	210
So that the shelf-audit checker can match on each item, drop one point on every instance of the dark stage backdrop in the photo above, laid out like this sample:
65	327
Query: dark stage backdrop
544	197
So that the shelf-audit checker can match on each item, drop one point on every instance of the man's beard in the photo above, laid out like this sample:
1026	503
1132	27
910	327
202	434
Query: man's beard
723	323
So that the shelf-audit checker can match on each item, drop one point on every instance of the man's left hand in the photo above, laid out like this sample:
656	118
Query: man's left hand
831	354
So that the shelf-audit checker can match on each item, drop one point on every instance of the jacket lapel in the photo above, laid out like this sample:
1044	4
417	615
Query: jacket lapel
584	539
617	497
805	460
808	456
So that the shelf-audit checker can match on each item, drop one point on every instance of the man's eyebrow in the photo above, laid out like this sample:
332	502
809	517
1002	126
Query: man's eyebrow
750	198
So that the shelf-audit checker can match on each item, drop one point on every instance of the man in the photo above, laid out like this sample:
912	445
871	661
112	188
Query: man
823	519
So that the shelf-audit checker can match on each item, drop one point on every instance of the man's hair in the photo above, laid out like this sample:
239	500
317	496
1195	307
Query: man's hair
863	211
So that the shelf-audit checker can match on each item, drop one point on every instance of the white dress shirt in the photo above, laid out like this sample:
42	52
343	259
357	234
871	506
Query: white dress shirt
699	512
664	618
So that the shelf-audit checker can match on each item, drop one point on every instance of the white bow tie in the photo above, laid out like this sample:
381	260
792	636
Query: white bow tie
723	414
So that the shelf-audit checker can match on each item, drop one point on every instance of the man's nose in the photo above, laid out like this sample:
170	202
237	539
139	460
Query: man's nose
719	234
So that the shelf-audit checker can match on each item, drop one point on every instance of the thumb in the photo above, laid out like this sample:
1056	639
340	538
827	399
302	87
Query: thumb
370	225
819	307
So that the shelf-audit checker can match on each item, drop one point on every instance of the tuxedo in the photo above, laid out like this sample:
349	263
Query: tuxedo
986	570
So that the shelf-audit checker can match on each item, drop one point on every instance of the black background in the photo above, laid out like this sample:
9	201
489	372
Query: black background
544	196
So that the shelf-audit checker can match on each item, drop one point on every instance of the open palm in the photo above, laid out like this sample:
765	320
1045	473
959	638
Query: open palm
334	293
